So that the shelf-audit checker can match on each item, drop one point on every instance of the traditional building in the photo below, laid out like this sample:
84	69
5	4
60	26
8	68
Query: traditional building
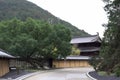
89	46
4	63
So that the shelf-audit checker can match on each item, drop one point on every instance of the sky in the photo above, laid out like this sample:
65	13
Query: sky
87	15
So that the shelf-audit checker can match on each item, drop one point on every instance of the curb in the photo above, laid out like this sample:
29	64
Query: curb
90	76
28	75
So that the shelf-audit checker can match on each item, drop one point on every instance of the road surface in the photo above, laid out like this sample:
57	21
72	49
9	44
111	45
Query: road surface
63	74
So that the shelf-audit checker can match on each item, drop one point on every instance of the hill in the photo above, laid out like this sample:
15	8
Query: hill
23	9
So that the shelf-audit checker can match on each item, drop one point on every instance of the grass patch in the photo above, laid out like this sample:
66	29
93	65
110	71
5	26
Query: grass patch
32	70
103	73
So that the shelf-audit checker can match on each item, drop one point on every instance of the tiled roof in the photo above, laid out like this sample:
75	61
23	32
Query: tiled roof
87	39
89	49
77	58
3	54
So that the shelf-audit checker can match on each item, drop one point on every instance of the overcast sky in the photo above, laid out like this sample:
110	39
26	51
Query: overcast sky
88	15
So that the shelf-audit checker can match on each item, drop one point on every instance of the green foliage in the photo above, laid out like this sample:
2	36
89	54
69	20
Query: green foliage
95	61
111	43
102	73
34	39
75	51
117	70
22	9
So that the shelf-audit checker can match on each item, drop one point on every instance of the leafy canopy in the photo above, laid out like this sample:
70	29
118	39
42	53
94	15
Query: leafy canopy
111	43
34	39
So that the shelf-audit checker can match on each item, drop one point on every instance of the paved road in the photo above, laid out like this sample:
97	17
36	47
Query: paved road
63	74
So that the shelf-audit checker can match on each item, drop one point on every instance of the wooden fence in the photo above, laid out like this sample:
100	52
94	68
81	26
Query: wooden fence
20	64
4	66
70	63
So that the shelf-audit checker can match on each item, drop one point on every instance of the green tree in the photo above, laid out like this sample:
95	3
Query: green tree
111	43
34	41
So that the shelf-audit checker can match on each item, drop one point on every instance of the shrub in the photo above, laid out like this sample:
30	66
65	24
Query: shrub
117	72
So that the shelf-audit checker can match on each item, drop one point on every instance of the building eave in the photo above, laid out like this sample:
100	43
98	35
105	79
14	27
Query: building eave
5	55
76	58
88	39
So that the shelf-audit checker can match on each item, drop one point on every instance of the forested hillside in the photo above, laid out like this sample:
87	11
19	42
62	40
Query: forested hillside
23	9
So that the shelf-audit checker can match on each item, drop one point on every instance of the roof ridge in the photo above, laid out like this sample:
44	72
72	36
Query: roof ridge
84	36
85	39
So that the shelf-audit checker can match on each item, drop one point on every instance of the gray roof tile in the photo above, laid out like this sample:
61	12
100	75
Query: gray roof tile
3	54
89	49
87	39
77	58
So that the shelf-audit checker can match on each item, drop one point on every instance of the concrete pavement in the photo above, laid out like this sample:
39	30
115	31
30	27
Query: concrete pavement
63	74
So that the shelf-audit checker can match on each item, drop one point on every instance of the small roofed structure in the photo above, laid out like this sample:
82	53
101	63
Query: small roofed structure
4	62
5	55
89	45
